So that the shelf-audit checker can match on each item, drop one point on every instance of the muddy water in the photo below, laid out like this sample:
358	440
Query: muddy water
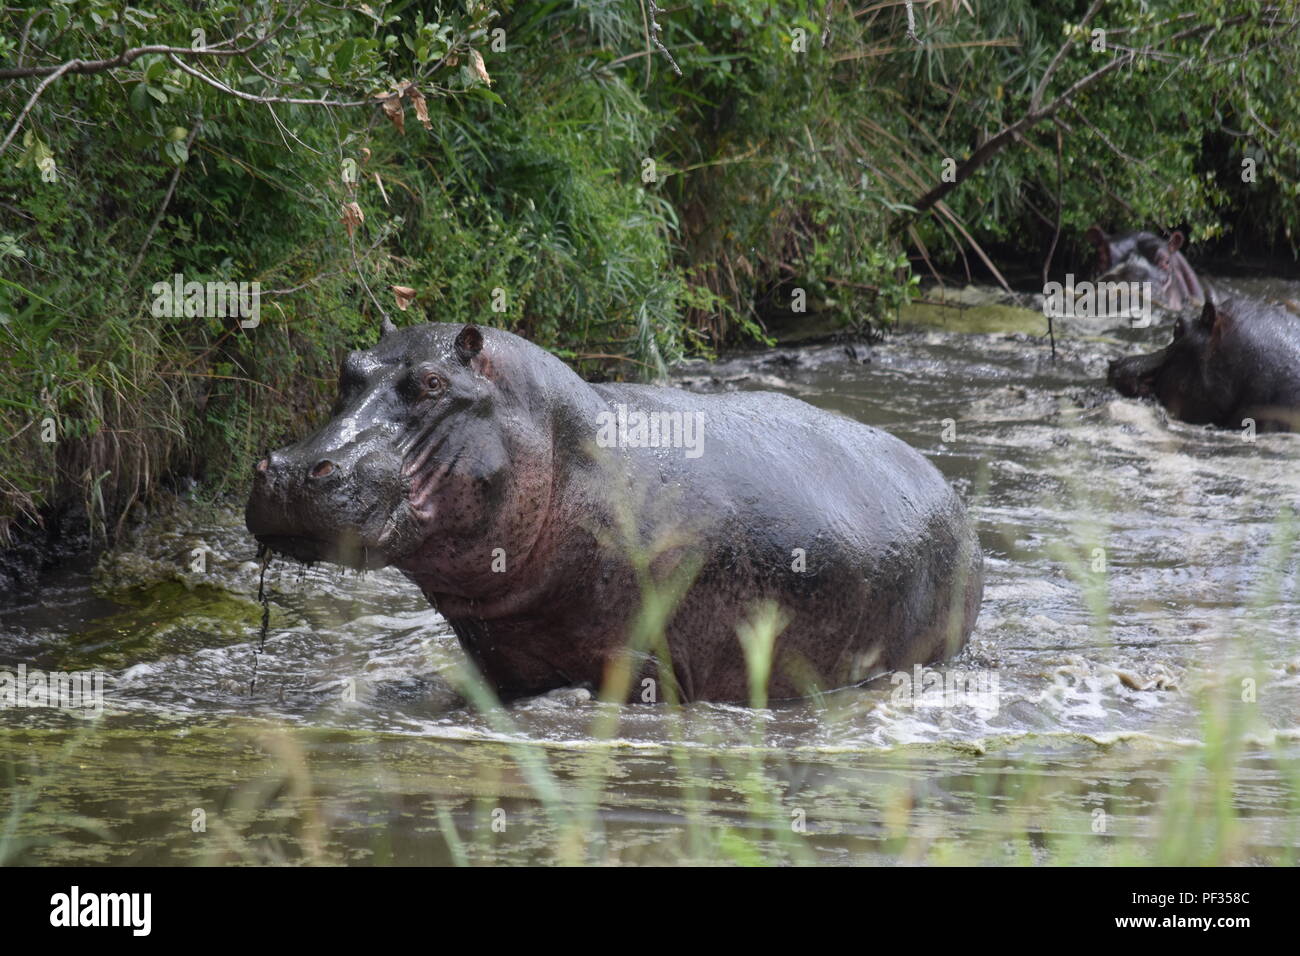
1139	646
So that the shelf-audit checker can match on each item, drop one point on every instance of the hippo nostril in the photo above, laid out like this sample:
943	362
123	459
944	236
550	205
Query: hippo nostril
323	468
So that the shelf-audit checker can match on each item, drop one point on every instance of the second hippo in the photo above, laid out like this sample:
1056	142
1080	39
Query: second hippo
1236	365
1145	257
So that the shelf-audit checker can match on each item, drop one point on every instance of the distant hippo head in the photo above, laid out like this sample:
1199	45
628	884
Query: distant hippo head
437	446
1145	257
1190	376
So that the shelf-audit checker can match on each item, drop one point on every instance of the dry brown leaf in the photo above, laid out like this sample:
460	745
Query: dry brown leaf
365	155
352	217
392	103
421	105
405	295
477	68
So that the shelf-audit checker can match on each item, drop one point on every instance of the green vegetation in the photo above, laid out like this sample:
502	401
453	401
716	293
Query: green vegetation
558	178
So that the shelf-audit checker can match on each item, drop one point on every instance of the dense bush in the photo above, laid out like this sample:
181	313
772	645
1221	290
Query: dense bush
565	183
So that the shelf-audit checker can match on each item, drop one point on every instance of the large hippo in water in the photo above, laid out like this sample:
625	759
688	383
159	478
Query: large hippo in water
1239	360
537	512
1145	257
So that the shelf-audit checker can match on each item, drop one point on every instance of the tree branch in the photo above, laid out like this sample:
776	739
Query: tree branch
36	95
125	58
79	66
655	30
1037	113
991	146
252	98
128	56
1041	88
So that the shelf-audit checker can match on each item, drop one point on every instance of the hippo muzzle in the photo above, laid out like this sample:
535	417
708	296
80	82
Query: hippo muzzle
345	504
340	495
1135	376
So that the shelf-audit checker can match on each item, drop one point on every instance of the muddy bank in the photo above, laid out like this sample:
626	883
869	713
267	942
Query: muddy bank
34	547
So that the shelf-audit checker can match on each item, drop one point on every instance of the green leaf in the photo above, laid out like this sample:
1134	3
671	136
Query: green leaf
140	97
483	93
176	152
343	56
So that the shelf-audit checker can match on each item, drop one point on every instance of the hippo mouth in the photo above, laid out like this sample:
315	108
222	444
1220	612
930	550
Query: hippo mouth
349	551
1135	377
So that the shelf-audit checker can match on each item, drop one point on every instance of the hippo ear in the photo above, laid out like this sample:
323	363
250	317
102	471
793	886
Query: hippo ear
1214	320
469	342
1175	241
1209	315
1095	235
386	326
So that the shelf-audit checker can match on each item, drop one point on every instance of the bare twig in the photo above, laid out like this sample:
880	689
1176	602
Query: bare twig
911	23
655	30
128	56
356	265
162	208
80	66
1105	139
1037	98
36	95
1056	236
252	98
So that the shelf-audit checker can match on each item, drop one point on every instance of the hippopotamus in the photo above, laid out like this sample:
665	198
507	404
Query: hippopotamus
1145	257
1237	362
548	520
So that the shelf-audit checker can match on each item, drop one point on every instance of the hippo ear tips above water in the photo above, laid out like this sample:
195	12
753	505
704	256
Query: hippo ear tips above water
1208	312
469	342
1213	319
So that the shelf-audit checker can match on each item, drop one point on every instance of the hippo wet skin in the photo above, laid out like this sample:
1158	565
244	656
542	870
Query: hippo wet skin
1239	360
1145	257
477	464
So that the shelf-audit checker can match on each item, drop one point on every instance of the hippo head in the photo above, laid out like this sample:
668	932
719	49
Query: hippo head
433	451
1186	376
1145	257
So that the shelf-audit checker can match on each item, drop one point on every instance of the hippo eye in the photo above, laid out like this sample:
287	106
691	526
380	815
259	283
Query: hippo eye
434	384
